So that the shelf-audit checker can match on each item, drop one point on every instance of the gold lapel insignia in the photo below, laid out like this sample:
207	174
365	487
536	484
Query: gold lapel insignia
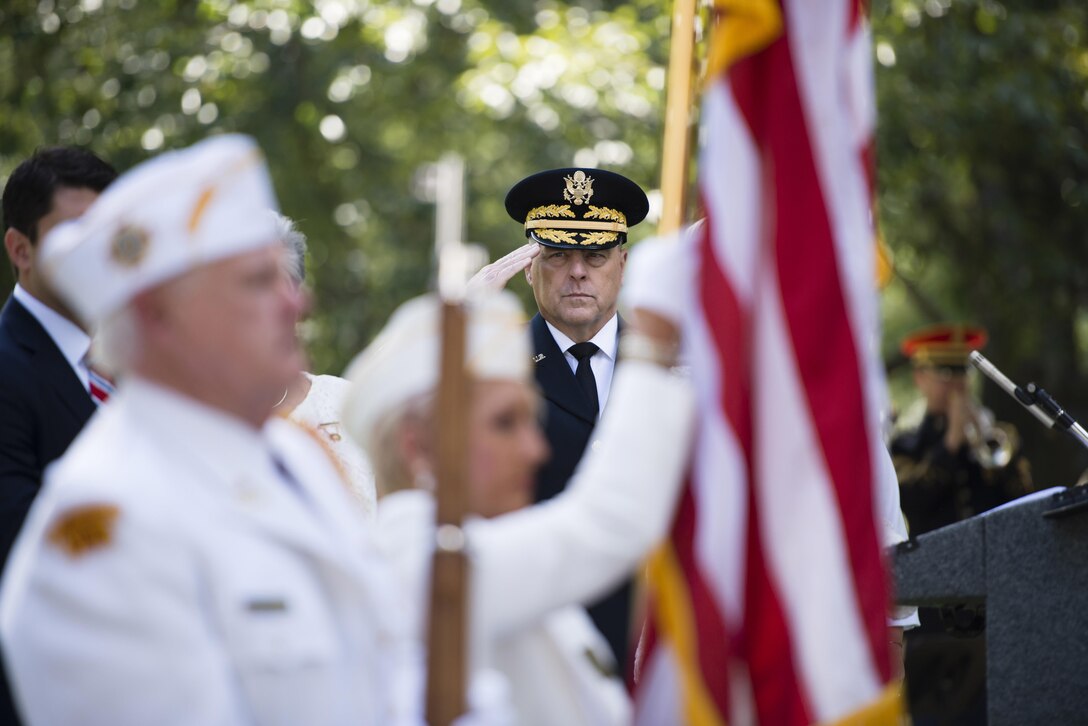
129	246
85	528
326	448
579	188
331	429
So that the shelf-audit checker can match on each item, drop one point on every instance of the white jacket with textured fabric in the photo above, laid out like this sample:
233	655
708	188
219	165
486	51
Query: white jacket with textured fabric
531	568
208	587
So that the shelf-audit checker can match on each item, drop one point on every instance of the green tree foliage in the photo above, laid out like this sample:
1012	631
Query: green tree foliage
350	99
983	168
983	189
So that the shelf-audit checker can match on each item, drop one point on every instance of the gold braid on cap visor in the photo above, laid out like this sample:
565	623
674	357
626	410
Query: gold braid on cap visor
542	219
941	354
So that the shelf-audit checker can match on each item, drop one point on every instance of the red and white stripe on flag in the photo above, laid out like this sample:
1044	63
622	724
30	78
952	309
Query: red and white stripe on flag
769	602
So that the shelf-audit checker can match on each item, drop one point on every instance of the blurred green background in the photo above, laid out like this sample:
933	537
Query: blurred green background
982	142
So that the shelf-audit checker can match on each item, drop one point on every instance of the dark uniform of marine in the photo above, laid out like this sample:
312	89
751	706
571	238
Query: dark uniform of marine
946	657
938	487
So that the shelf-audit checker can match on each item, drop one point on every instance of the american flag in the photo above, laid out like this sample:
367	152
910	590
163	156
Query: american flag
769	602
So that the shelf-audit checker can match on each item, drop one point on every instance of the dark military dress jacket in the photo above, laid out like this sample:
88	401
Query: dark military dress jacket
938	487
568	426
946	659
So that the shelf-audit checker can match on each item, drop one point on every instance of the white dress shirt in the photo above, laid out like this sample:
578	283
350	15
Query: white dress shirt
72	341
602	363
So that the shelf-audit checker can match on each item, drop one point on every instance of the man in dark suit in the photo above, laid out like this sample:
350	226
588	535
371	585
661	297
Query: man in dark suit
576	221
45	385
44	381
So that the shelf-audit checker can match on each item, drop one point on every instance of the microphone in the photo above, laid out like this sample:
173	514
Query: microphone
983	364
1035	399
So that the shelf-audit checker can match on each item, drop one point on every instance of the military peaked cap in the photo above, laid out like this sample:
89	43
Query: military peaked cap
944	346
584	209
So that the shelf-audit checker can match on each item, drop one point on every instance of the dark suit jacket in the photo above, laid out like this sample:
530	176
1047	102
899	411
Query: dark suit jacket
569	425
43	406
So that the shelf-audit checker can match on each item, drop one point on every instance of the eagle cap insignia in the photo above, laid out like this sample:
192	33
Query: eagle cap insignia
129	246
579	188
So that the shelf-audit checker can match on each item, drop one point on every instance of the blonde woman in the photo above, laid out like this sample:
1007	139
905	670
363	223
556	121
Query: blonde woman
526	622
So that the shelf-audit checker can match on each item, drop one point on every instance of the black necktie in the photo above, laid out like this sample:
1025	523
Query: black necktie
583	352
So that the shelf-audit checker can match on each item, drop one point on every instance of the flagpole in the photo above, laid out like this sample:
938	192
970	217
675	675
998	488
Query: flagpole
447	651
675	148
674	176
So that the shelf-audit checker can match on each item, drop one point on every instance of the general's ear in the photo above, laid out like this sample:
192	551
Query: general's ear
529	274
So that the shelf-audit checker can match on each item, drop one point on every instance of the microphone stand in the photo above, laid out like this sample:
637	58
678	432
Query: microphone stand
1035	399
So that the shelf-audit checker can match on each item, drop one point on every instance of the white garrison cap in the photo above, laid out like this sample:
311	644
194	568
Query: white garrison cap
178	211
403	361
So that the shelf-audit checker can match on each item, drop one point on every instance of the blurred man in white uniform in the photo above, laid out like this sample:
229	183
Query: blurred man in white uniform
192	560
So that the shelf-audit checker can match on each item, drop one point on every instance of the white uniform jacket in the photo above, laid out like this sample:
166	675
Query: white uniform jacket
531	567
219	591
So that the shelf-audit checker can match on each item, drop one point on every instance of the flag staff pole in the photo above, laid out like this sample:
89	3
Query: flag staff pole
674	177
678	89
447	660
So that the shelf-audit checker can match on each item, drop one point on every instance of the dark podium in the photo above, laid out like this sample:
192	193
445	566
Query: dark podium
1028	562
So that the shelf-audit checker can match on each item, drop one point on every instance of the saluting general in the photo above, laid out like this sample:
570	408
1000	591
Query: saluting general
577	219
192	560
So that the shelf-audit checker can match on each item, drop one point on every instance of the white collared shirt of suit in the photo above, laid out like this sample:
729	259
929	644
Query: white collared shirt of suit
68	337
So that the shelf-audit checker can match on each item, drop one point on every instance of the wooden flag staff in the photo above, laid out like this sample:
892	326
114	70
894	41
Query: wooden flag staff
674	177
447	651
675	147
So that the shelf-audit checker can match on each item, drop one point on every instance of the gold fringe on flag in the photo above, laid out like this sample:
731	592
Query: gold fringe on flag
886	710
744	27
676	621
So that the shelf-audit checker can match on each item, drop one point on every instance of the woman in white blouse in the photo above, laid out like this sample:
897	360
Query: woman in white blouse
316	401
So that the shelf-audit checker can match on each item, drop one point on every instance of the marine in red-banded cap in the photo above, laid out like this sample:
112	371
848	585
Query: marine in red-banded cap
946	345
953	461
